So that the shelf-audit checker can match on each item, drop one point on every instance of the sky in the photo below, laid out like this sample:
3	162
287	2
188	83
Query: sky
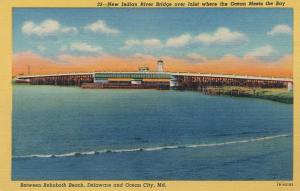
241	41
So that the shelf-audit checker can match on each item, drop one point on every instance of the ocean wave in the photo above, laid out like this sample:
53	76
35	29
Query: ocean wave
149	149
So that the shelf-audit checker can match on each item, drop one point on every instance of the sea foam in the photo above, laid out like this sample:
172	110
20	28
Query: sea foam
150	149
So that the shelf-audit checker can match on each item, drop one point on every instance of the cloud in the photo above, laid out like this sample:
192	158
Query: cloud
41	48
143	56
100	26
63	48
262	51
152	43
131	43
84	47
47	27
281	29
222	35
69	30
196	57
81	47
179	41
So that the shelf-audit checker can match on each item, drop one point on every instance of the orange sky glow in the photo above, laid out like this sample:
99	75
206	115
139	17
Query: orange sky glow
225	65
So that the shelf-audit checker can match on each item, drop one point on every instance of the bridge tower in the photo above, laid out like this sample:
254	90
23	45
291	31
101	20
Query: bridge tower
160	65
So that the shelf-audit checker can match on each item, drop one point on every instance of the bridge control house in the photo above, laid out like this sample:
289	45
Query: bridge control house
143	79
132	80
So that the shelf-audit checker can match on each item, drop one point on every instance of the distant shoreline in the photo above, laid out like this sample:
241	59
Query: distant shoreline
279	95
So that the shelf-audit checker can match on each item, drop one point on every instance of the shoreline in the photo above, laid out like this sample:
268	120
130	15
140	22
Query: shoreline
279	95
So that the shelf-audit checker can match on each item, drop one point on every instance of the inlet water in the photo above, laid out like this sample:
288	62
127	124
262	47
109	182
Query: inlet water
68	133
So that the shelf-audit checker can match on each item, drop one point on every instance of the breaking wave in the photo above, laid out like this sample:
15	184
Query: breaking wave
149	149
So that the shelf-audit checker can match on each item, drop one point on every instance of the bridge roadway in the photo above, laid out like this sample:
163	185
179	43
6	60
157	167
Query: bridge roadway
233	76
169	73
175	78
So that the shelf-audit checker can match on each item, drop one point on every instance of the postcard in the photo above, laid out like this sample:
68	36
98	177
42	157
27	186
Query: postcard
143	95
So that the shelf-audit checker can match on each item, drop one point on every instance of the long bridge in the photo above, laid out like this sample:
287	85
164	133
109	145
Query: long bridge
146	79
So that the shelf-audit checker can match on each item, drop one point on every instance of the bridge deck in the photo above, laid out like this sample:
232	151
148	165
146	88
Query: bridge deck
163	75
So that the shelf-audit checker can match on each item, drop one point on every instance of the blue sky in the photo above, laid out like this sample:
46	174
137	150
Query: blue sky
183	33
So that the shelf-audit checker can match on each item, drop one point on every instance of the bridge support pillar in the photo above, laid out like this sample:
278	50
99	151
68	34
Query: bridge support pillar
173	82
290	86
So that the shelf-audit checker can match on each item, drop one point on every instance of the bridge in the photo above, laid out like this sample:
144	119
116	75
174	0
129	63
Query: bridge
196	80
150	79
67	79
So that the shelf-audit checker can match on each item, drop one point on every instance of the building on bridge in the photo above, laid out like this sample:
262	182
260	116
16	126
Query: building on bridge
141	79
132	80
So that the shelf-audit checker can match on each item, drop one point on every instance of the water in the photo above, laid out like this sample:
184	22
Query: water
67	133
